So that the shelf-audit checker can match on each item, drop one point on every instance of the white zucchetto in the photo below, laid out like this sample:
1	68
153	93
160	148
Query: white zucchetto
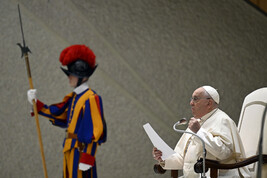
213	93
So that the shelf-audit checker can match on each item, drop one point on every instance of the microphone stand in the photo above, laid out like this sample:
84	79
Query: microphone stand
203	143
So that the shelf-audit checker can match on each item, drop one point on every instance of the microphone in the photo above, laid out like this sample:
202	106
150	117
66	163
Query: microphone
184	121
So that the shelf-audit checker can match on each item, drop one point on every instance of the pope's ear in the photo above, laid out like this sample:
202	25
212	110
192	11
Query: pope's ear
210	102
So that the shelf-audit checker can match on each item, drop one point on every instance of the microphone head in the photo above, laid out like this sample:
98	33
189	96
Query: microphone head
183	121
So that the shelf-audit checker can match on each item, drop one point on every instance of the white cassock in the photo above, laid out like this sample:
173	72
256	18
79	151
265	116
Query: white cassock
222	142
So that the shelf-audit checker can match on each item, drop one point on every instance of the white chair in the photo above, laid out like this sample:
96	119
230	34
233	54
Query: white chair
249	126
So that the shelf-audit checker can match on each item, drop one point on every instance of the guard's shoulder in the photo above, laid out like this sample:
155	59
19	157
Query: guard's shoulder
68	96
93	92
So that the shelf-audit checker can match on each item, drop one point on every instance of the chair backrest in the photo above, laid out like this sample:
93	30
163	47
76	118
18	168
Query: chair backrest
249	124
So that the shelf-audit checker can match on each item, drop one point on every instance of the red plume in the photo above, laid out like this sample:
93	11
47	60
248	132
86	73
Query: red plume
75	52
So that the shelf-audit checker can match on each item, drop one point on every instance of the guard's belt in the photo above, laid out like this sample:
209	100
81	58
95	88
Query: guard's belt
74	136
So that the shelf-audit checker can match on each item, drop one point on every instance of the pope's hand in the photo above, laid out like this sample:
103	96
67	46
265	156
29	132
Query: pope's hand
157	154
31	95
194	125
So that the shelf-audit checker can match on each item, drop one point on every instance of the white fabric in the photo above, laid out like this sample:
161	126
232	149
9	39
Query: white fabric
31	95
81	88
213	93
222	143
84	167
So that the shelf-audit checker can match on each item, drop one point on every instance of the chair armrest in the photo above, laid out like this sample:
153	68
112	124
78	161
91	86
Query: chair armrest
158	169
216	165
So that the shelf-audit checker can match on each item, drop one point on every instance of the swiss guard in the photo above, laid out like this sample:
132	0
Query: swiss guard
80	114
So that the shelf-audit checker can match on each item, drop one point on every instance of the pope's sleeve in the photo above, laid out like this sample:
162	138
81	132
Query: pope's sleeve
175	162
218	142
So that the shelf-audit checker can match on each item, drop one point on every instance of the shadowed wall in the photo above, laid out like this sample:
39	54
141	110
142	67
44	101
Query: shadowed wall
152	55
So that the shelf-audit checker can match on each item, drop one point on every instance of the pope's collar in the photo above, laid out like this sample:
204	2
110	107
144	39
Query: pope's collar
81	88
205	117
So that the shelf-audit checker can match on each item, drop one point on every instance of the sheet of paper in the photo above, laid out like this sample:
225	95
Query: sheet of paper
158	142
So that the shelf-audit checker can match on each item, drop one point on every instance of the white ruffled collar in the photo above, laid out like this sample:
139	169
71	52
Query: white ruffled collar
81	88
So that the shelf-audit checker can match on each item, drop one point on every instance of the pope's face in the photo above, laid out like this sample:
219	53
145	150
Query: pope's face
73	80
199	103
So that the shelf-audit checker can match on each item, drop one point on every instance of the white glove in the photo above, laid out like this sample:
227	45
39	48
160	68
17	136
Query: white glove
31	95
84	167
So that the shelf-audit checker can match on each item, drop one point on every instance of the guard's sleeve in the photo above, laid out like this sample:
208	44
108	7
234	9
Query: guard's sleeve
92	130
56	113
92	126
88	156
103	137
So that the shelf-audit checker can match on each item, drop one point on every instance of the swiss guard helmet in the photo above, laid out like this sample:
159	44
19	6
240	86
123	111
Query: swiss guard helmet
80	61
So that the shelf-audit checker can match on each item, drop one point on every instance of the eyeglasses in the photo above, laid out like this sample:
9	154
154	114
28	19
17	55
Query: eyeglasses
196	99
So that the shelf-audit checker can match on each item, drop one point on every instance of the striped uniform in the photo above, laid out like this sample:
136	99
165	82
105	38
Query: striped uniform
82	116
